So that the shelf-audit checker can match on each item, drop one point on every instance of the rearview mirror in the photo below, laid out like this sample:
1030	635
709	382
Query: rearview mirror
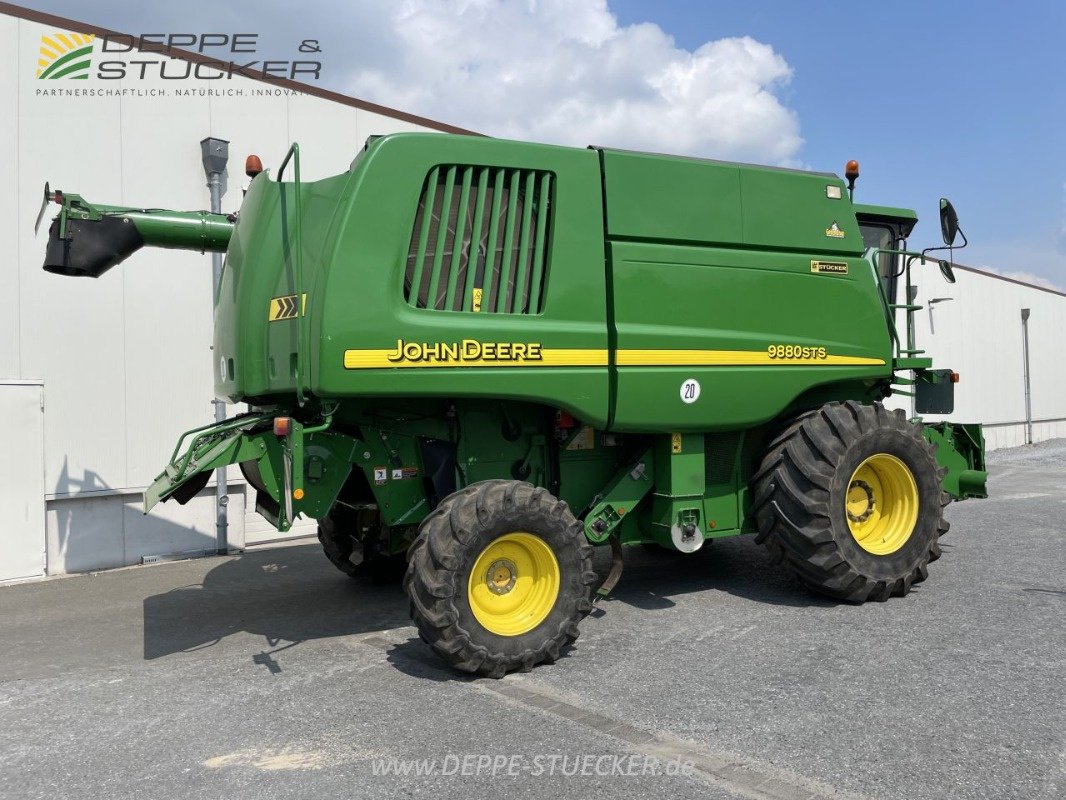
947	271
949	221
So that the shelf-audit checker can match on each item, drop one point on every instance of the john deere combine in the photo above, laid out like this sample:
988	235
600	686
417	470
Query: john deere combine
492	355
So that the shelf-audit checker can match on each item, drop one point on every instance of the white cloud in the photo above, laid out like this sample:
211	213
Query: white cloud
565	71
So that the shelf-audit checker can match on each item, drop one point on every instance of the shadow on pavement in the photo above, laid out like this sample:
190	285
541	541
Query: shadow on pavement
736	566
289	594
414	657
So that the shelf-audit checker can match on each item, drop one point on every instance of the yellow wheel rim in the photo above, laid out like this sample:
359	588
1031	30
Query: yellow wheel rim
514	584
882	504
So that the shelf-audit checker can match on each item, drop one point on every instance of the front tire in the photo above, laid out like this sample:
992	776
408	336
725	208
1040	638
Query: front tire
849	497
499	577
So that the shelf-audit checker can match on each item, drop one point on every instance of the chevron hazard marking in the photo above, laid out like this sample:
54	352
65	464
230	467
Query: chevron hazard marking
284	307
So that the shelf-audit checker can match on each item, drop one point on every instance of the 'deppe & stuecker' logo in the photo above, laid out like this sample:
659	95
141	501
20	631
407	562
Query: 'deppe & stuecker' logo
68	54
65	55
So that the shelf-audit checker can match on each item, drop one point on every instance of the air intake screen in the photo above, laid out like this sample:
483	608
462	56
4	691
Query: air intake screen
720	455
480	241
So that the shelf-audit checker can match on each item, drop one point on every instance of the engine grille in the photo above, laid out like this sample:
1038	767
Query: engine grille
480	241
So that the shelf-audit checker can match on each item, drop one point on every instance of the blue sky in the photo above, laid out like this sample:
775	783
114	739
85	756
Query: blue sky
963	100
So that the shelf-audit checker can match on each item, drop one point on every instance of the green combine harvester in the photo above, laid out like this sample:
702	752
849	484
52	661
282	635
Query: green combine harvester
491	356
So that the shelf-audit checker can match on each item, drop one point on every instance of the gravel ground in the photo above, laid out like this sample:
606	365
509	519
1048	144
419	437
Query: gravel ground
271	674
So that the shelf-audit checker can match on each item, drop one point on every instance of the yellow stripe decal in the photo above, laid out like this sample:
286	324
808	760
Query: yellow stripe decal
546	357
731	358
472	353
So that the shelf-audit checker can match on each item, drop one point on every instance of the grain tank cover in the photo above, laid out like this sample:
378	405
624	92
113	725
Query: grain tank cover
656	197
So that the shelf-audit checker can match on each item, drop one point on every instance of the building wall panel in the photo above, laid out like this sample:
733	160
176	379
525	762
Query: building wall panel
126	359
10	199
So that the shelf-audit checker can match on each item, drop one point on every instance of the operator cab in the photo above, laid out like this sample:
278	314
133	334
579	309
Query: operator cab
886	228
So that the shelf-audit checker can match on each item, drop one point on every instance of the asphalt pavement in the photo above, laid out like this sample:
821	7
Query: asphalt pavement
714	675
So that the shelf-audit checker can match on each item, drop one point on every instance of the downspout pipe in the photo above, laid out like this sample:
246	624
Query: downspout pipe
1026	373
215	156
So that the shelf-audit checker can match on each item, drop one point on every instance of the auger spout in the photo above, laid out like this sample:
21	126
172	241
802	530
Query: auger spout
87	239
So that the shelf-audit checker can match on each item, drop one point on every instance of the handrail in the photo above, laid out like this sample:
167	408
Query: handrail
870	256
233	422
298	271
909	307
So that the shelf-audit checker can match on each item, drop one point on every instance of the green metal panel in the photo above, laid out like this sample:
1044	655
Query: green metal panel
789	209
960	449
365	258
714	314
721	502
620	498
691	200
904	217
259	270
679	465
659	197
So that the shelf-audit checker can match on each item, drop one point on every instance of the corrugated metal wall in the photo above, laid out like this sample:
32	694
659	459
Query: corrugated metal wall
974	327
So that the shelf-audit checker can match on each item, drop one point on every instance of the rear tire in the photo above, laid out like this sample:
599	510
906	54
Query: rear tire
499	577
849	497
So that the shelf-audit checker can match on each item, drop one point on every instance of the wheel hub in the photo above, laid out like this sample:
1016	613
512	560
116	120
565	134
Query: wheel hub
881	504
855	498
501	576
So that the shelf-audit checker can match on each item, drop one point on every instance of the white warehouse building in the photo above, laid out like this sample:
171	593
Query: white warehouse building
97	377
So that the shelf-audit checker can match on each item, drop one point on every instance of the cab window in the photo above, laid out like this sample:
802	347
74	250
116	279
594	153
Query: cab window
883	237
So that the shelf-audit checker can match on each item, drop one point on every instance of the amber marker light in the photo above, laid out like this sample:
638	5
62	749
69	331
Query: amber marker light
252	166
298	494
851	172
282	426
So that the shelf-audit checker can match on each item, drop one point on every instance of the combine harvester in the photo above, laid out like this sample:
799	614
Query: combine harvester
493	355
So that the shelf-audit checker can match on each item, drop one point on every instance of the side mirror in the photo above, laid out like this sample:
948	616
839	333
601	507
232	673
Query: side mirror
949	221
947	271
